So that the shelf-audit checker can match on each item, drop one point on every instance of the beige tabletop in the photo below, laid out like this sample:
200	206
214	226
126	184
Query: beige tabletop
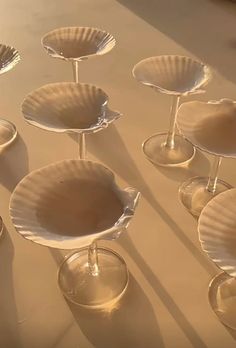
166	303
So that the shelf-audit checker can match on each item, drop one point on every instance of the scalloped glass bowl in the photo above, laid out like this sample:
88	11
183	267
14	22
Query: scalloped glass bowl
211	127
72	204
171	74
176	76
9	57
216	227
77	43
69	107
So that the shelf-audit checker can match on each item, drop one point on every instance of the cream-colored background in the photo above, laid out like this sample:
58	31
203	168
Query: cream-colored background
166	303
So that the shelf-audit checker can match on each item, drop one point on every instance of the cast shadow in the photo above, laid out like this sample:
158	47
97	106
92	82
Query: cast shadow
109	148
231	332
13	163
163	294
10	336
192	24
124	325
199	166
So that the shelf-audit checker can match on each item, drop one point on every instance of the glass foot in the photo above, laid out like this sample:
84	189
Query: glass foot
222	298
94	291
1	227
155	150
8	133
194	196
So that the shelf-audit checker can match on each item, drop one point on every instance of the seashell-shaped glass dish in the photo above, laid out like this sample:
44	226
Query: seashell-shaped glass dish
69	107
75	44
9	57
176	76
217	227
71	205
211	127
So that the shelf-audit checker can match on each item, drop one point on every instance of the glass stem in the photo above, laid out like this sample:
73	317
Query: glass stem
170	141
212	181
75	65
93	259
82	145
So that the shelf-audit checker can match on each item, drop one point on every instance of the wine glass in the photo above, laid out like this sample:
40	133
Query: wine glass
176	76
73	204
211	127
69	107
216	227
75	44
9	57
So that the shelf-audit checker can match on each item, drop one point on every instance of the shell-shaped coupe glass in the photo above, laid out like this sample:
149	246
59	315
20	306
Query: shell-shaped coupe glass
9	57
211	127
77	43
72	204
69	107
217	234
176	76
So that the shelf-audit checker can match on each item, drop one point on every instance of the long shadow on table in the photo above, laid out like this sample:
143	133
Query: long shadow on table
9	326
110	149
123	326
196	26
163	294
199	166
13	163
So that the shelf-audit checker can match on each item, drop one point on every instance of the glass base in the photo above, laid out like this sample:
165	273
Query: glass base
1	227
8	133
222	298
94	291
155	150
194	196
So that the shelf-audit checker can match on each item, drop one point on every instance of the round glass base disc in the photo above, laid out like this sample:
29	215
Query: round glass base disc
222	298
94	291
8	133
1	227
194	196
155	150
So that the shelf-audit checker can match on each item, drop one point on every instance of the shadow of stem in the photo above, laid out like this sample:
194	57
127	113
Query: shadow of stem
164	296
121	162
122	325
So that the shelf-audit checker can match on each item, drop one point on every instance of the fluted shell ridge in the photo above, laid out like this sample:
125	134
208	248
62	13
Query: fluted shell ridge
66	106
217	231
77	43
69	204
210	126
171	74
9	57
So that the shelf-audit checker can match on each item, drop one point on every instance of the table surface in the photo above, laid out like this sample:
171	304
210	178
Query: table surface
166	304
